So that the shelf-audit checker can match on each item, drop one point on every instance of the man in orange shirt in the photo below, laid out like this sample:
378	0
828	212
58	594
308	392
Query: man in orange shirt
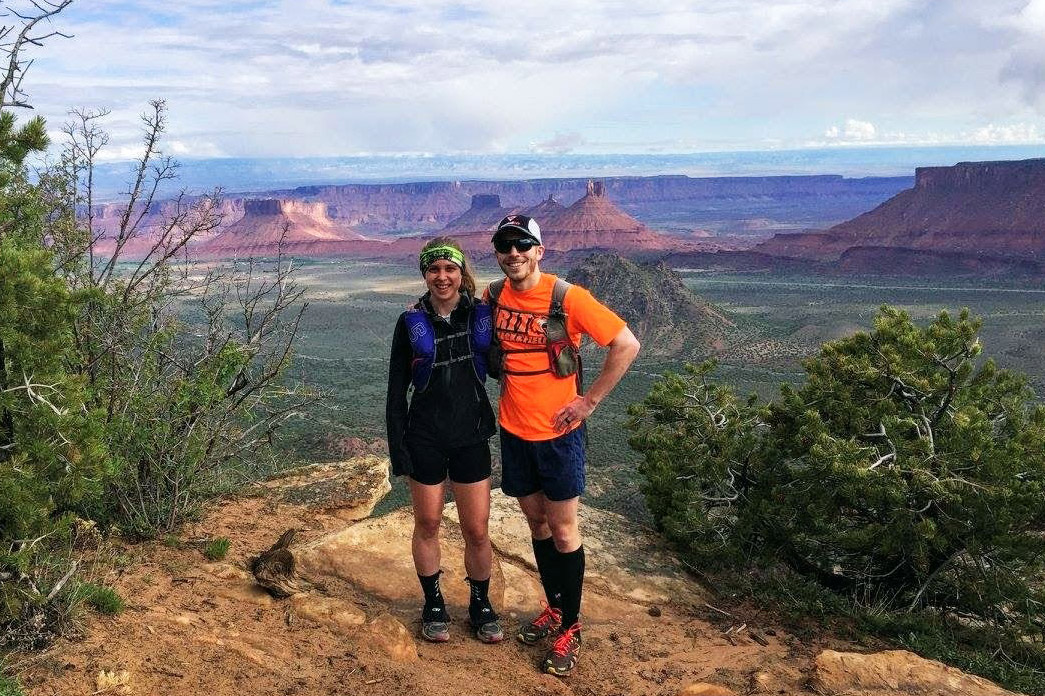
542	423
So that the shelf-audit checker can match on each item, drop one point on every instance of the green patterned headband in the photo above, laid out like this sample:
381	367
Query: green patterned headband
430	256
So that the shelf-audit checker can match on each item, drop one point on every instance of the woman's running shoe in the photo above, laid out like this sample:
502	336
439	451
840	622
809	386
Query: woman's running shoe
490	632
485	621
435	626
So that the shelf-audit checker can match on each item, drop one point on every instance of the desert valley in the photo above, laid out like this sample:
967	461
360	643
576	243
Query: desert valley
821	474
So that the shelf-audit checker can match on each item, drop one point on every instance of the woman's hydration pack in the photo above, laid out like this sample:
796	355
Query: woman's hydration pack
423	342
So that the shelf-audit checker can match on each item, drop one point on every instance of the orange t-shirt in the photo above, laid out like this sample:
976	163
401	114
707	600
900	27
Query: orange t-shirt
528	402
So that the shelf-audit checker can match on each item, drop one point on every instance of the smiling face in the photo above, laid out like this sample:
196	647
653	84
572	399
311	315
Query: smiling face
443	279
521	267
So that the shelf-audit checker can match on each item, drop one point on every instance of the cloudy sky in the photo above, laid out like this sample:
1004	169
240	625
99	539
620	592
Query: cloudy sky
342	77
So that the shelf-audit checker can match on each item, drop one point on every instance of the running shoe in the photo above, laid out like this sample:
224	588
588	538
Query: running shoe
562	658
490	632
485	621
435	625
544	624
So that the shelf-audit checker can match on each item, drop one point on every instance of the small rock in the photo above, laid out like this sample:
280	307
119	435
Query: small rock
113	682
392	637
705	689
336	614
762	683
654	611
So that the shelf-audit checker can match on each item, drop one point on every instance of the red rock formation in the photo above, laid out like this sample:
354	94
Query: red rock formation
484	214
594	222
156	221
384	208
975	209
546	209
267	222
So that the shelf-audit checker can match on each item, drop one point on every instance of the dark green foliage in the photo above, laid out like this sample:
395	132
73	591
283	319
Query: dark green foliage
52	454
905	473
217	549
104	600
17	143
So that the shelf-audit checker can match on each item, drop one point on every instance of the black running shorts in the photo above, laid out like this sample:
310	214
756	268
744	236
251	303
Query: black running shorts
432	464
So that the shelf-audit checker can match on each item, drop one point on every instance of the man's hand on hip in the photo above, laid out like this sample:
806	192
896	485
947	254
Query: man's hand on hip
572	413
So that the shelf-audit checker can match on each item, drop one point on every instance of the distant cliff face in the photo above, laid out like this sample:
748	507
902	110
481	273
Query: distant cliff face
391	209
269	222
665	315
973	210
285	206
484	214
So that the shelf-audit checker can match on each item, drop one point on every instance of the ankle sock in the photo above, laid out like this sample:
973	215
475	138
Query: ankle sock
435	605
479	609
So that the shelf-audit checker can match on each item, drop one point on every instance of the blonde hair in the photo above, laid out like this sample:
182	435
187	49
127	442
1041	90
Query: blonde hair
467	279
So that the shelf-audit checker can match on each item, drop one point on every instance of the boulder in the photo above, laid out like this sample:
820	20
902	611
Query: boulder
622	559
336	614
346	491
894	672
374	555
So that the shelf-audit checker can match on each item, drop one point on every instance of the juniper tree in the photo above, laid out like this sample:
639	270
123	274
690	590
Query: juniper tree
905	467
51	452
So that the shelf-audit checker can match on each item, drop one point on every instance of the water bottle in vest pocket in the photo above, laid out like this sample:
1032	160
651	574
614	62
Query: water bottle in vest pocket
563	357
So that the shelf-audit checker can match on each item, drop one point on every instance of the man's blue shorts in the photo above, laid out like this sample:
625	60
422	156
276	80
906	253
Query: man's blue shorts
555	467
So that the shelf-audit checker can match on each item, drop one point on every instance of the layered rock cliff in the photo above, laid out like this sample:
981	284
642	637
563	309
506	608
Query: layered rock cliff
484	214
423	207
268	223
973	212
547	208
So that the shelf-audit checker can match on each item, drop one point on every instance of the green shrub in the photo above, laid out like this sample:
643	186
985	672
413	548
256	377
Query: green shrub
216	549
905	474
102	599
9	686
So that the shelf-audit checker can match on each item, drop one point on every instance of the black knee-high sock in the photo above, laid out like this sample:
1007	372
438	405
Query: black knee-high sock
548	567
571	569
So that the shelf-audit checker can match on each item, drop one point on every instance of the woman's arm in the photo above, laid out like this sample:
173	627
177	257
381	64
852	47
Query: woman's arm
396	407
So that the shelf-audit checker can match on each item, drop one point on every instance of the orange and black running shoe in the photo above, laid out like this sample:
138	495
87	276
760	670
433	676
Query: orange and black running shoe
544	624
562	658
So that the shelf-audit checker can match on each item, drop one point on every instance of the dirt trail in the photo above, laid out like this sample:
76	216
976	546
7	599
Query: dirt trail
194	627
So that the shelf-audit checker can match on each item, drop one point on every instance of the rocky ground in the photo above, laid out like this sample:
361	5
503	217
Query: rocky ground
197	627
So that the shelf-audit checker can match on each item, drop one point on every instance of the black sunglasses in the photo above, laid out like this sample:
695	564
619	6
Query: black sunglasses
522	245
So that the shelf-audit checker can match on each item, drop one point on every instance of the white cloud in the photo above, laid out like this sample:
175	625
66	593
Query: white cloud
562	143
1012	134
990	134
852	131
314	77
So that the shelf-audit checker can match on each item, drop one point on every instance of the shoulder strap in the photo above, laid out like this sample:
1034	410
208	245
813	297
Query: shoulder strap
558	295
494	290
